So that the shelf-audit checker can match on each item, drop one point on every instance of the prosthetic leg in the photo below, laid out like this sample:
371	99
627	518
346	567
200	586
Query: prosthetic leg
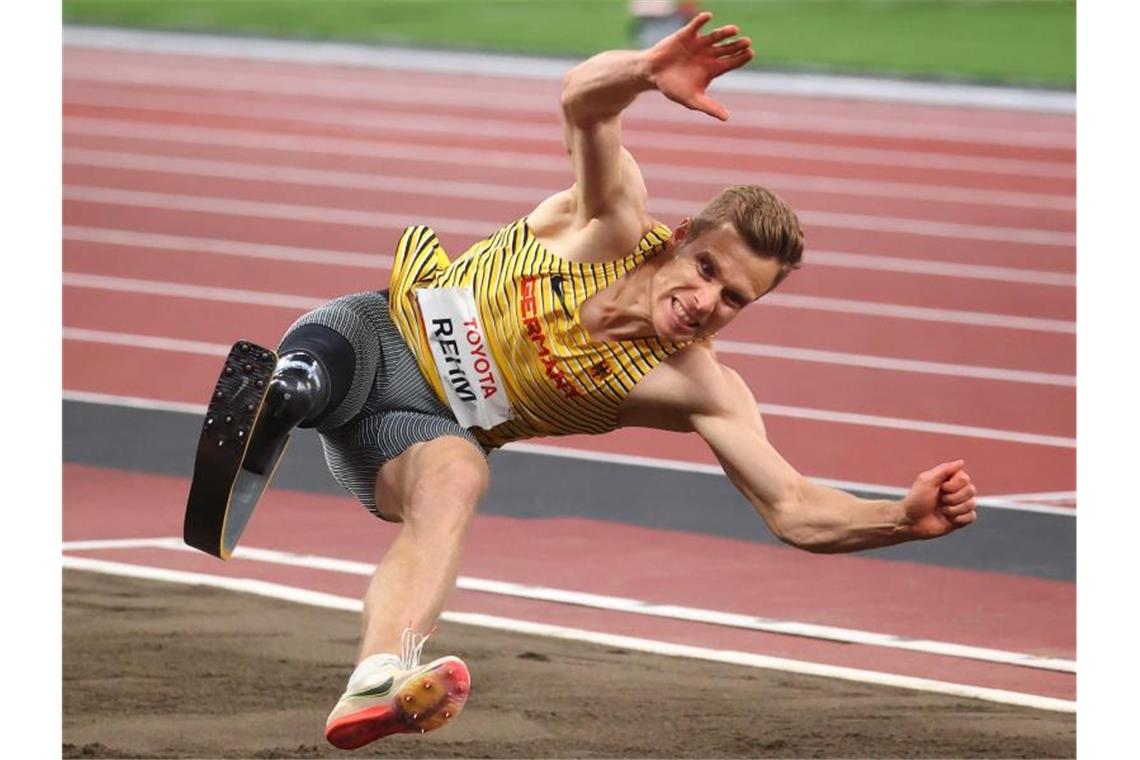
257	401
321	375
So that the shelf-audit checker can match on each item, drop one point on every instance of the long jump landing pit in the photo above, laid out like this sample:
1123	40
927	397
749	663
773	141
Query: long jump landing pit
213	673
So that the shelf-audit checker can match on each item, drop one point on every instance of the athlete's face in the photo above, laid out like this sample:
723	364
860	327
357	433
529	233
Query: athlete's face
707	282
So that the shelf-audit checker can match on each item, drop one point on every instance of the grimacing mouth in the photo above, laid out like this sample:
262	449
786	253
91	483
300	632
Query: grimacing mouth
682	313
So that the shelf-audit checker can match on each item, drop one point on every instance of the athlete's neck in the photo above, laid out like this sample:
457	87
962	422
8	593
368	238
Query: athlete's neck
623	310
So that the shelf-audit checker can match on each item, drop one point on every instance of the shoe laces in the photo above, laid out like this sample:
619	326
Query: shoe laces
412	647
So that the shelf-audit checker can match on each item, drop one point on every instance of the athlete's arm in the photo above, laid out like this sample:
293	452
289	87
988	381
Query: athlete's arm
693	391
596	91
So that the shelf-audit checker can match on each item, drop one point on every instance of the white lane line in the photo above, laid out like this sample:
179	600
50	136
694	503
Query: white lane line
1040	496
134	402
544	68
154	342
131	238
330	601
550	134
565	452
774	300
899	311
434	188
178	290
940	268
387	90
776	410
621	604
235	207
896	365
553	164
918	426
722	346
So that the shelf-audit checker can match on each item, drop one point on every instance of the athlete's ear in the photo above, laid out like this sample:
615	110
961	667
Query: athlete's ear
682	231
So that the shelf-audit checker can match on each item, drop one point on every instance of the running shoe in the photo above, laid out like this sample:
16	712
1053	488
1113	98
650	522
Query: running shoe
405	698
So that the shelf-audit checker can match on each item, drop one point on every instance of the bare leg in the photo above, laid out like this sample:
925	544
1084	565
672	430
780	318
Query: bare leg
434	489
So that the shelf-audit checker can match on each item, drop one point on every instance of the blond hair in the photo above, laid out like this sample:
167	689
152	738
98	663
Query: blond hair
763	219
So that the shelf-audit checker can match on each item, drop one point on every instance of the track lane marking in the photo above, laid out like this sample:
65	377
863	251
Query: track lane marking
380	90
618	604
331	601
777	300
567	452
552	164
483	191
503	129
722	346
775	410
134	239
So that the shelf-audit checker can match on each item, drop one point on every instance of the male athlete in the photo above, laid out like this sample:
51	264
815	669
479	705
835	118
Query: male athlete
584	316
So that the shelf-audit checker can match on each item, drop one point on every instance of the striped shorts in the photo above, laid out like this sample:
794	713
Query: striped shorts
389	405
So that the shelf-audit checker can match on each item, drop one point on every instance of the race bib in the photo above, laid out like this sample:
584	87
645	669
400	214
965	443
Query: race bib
458	343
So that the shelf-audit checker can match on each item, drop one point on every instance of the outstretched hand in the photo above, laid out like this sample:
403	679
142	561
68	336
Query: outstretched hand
940	501
684	63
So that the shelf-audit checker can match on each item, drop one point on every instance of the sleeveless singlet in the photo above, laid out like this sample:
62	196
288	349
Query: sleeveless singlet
559	381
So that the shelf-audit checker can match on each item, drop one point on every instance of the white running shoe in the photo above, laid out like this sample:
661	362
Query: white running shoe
403	698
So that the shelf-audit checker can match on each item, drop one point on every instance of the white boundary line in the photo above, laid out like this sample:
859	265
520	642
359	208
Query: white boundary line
776	410
888	364
1040	496
434	188
676	465
893	364
547	68
133	239
552	164
330	601
620	604
635	140
780	300
317	84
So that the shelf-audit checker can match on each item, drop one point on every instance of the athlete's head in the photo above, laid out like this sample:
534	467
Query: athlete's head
741	246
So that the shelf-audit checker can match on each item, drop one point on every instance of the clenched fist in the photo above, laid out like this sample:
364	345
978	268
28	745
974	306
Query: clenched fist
940	501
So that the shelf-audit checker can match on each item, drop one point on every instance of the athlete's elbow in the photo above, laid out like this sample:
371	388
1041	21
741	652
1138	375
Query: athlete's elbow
571	97
788	517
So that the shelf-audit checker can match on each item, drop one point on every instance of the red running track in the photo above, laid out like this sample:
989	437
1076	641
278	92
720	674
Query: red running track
150	148
671	567
940	236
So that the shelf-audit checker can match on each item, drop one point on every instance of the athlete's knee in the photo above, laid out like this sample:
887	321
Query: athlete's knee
440	485
458	475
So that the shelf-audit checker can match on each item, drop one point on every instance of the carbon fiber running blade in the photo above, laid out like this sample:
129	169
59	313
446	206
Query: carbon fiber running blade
222	495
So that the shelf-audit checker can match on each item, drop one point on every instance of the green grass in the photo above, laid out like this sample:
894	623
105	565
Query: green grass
1023	41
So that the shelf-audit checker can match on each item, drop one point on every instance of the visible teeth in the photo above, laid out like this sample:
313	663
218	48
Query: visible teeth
682	314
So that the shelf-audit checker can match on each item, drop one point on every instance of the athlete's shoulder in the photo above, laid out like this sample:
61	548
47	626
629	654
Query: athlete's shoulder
688	383
562	228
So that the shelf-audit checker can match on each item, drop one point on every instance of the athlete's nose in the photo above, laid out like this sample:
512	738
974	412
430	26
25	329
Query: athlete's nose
703	300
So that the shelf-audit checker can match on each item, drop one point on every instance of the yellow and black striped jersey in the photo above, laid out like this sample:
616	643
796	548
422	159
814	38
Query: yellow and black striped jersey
558	380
